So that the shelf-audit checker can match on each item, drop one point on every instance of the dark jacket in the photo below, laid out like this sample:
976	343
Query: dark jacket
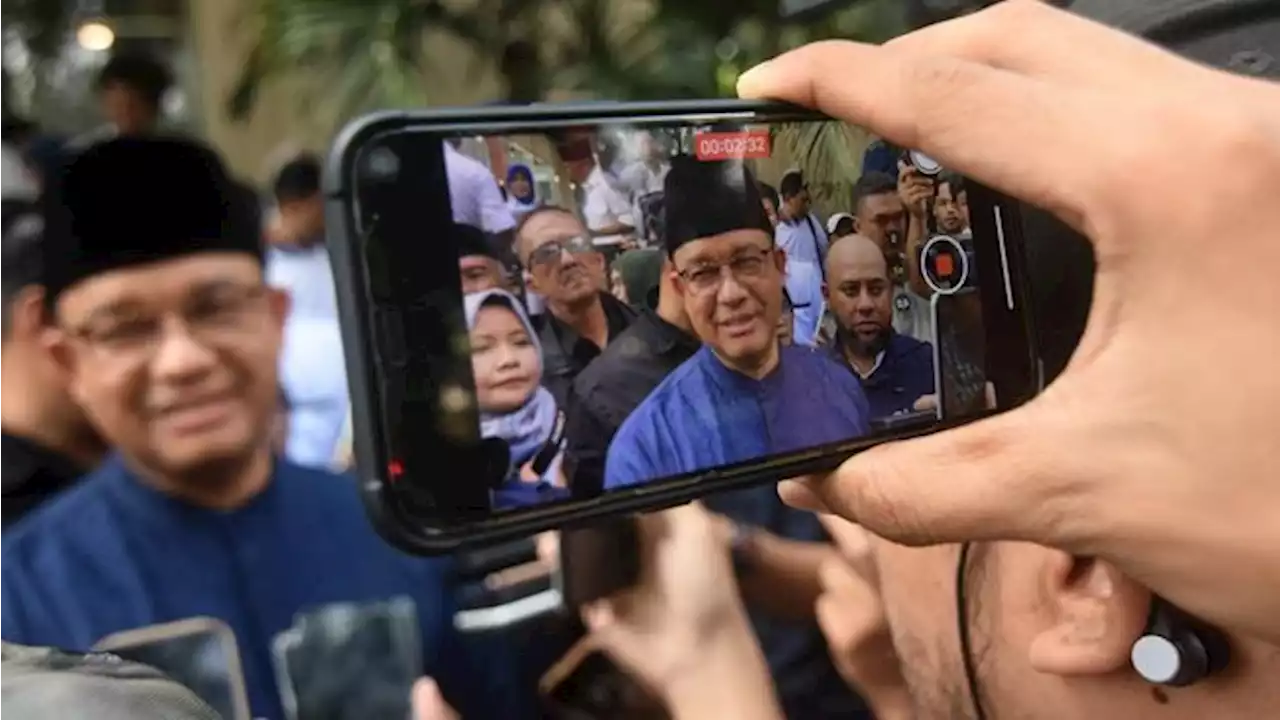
565	353
32	475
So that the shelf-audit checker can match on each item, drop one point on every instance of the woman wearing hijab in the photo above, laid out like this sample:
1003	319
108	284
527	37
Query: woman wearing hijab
522	194
506	360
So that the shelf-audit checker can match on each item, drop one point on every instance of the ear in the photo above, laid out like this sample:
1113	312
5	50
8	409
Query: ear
27	314
279	302
676	280
826	291
1097	614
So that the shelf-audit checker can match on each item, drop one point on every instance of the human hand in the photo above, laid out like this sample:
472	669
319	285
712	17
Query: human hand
686	591
853	621
429	704
915	189
1140	417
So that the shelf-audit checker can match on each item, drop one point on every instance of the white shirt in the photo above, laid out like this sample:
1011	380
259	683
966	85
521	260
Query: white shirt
474	194
314	378
912	315
305	273
604	205
642	179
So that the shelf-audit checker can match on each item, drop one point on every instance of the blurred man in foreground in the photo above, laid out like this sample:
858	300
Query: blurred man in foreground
170	338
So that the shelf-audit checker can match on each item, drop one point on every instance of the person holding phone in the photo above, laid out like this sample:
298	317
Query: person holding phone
744	395
1007	97
170	339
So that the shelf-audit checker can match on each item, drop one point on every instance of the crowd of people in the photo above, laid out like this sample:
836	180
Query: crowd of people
171	444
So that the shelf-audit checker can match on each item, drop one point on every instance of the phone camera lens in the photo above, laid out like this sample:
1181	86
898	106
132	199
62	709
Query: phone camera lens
382	165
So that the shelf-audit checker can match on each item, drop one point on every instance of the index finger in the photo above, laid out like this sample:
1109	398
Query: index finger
1013	133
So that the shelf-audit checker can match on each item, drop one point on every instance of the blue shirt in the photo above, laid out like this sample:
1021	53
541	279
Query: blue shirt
903	375
113	554
704	415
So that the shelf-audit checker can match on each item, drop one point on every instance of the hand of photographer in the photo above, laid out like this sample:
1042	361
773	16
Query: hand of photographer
683	630
1146	451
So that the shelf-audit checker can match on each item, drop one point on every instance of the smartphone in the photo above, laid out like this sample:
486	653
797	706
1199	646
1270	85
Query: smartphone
959	363
349	660
200	653
585	684
442	433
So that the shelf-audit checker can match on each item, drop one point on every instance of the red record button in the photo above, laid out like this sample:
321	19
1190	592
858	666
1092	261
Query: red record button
744	145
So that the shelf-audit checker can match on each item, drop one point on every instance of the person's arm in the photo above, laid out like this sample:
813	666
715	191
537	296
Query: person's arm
588	445
629	460
728	678
495	216
780	576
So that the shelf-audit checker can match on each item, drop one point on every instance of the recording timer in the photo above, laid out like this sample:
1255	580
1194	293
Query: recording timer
744	145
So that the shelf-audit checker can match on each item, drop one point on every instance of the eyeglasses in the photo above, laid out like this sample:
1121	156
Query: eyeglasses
549	252
211	319
705	278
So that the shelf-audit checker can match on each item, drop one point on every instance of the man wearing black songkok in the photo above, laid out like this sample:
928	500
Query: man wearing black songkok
743	395
170	339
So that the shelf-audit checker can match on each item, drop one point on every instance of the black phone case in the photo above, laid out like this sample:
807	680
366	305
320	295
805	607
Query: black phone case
417	534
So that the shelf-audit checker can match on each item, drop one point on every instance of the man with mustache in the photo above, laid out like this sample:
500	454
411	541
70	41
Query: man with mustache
743	395
562	266
895	369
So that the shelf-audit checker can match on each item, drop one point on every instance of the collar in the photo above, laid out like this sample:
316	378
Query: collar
151	505
883	358
725	377
616	316
290	250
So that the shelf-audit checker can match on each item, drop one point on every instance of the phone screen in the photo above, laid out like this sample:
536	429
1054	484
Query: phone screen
760	334
204	661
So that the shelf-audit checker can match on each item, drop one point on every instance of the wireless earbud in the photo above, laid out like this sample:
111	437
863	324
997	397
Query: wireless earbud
1175	650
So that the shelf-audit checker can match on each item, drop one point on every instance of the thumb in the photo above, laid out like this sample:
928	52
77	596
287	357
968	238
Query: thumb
1011	476
428	703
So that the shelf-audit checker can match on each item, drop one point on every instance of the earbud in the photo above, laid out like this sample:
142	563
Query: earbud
1175	650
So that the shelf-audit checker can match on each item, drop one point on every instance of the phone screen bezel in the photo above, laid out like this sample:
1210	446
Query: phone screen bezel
417	516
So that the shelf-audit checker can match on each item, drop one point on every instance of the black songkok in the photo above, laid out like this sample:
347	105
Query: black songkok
133	201
703	199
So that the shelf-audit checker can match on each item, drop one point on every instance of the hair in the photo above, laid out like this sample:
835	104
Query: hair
768	192
954	179
299	179
17	130
870	184
518	232
140	73
23	257
791	184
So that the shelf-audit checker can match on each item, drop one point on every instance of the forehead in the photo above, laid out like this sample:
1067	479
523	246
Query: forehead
549	225
498	318
716	247
474	262
859	266
159	284
880	204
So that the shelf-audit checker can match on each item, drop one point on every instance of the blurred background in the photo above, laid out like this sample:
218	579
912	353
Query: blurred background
263	79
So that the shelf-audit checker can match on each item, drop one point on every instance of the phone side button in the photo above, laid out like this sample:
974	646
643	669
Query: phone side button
1004	257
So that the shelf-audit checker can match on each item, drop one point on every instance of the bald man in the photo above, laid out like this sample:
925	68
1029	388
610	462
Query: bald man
895	370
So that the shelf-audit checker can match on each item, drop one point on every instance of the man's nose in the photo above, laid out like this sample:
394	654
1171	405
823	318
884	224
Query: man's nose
180	354
731	291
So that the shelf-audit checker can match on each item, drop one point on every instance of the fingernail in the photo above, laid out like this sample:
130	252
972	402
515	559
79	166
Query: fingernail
798	495
750	82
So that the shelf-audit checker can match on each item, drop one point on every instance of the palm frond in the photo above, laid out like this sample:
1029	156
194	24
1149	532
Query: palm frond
831	155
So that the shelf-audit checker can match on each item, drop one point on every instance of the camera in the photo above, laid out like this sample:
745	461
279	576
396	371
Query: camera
947	264
922	163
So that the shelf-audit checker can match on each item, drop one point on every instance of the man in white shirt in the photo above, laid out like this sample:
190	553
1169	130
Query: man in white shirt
312	371
605	206
800	235
474	193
